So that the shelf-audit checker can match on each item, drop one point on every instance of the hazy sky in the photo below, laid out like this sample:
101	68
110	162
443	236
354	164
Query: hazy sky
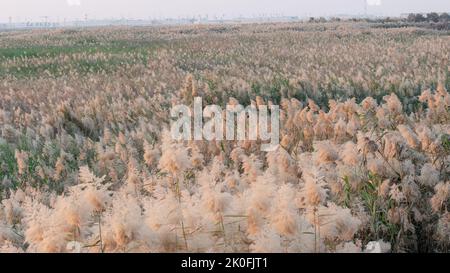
21	10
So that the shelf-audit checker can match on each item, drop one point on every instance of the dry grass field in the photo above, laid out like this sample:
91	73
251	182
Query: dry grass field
87	162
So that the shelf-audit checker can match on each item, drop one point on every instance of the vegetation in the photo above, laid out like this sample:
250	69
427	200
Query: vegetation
86	158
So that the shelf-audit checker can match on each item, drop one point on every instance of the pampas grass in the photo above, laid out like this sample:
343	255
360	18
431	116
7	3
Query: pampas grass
363	163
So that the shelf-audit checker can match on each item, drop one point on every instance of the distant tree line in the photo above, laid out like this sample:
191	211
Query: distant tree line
432	17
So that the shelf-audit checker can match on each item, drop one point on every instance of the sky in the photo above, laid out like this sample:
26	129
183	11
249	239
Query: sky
35	10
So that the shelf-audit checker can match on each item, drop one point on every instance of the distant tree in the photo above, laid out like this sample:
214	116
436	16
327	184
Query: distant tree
411	17
335	19
444	17
389	20
433	17
419	18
